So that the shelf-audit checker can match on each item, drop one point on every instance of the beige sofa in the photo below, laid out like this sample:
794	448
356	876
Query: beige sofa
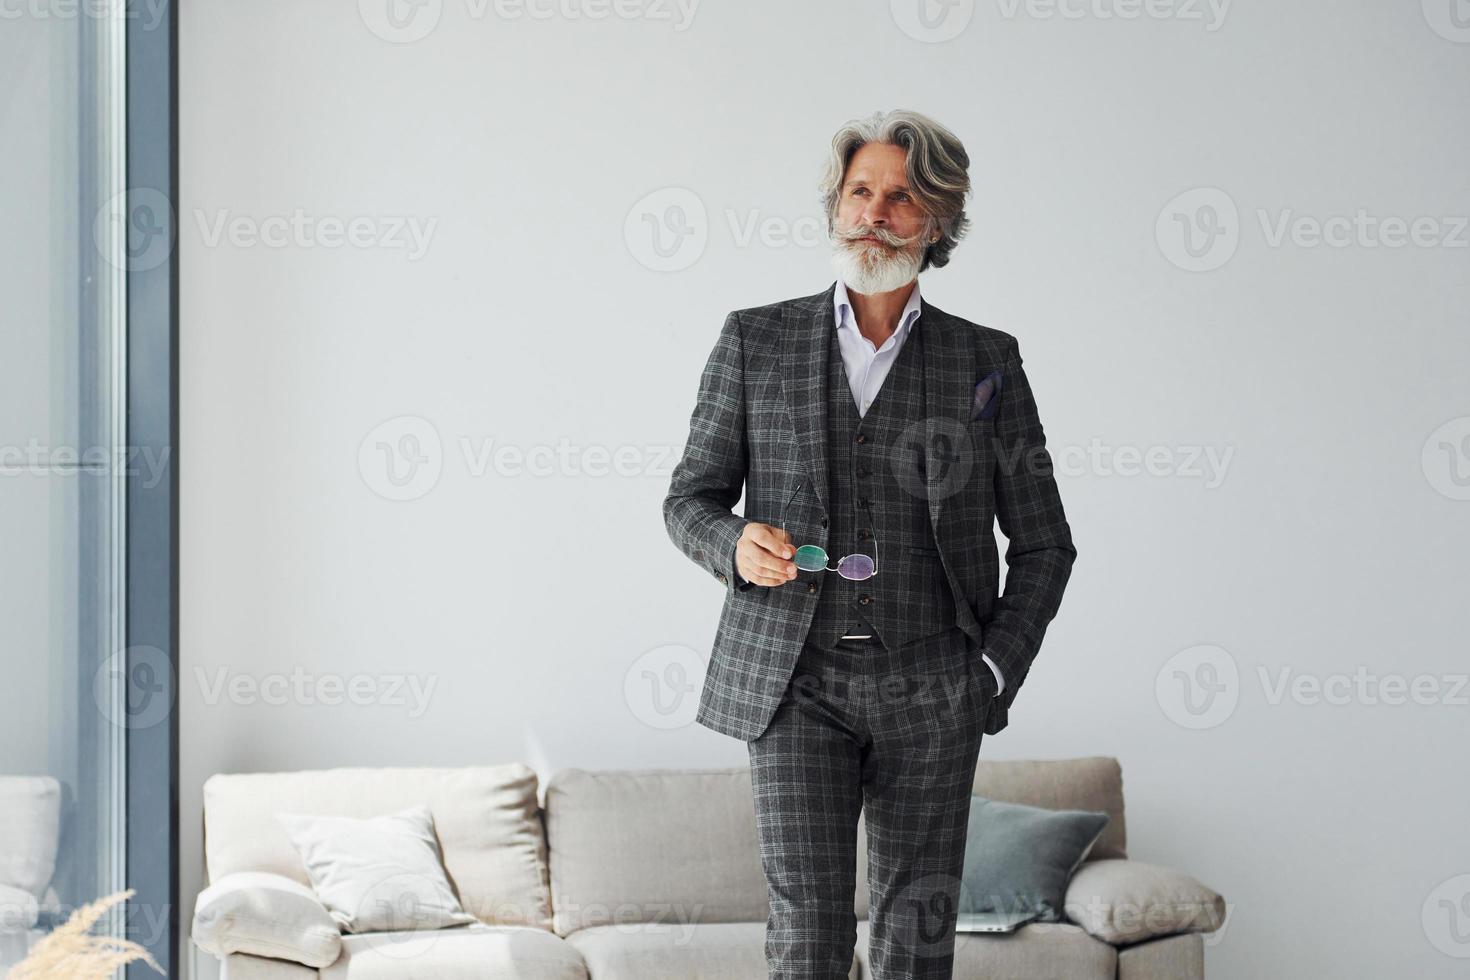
651	874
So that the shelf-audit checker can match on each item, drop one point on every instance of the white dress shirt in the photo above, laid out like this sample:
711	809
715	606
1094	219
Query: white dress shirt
867	366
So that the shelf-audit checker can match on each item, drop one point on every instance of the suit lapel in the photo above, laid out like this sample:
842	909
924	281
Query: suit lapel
949	366
803	375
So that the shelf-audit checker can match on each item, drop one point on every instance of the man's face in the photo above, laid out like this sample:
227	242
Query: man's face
880	230
875	195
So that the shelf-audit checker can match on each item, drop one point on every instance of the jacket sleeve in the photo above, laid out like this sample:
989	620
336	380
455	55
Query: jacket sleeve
1039	553
710	477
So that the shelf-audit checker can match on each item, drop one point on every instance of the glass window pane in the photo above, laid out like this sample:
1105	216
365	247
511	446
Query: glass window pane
60	494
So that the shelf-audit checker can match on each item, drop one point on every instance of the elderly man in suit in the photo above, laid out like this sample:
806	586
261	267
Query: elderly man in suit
862	649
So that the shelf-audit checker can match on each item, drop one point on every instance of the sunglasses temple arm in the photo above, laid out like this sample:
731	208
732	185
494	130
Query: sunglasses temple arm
875	543
799	485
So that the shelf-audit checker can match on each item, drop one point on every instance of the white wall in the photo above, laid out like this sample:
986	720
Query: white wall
1331	539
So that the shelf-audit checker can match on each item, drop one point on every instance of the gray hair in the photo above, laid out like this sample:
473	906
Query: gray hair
937	172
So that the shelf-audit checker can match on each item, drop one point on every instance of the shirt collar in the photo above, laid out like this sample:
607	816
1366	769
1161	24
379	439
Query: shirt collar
842	308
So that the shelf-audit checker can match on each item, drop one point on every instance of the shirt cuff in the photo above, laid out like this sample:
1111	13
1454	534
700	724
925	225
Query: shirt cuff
999	680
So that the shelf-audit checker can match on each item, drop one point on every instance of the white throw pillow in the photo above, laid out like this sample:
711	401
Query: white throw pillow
265	915
380	874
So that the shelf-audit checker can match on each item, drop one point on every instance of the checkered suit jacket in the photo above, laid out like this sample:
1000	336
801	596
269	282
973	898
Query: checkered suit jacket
759	424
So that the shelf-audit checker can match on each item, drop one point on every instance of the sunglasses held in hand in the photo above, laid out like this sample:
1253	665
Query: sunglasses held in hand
813	558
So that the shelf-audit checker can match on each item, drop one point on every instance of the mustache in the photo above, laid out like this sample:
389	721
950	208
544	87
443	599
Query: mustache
882	234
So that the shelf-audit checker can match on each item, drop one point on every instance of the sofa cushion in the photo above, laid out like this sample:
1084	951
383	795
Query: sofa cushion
1130	901
710	951
1050	949
1020	858
376	874
265	915
655	846
486	819
1092	783
474	952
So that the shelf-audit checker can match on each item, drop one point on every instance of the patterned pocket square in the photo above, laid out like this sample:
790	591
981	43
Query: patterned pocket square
987	397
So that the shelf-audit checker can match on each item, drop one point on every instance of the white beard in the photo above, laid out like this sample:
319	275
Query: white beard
874	269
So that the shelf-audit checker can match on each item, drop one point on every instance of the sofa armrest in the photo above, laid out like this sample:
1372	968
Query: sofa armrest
1124	901
242	966
265	914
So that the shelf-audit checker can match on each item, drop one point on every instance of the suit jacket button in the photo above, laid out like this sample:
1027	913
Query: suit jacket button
811	587
865	599
723	578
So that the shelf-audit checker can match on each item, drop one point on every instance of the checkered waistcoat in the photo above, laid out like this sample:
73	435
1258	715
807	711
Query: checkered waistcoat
875	479
760	425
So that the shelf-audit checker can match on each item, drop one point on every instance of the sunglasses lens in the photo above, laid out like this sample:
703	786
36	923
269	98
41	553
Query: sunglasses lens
855	567
810	558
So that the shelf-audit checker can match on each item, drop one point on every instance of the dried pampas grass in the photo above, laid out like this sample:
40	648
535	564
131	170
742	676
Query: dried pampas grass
71	952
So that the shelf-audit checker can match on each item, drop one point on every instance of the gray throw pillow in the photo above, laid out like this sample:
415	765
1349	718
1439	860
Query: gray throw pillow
1020	858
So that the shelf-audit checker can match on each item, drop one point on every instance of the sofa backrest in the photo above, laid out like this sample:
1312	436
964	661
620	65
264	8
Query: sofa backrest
487	820
670	846
680	845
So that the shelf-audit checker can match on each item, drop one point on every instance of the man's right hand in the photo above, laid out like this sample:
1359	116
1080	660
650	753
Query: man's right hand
762	555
